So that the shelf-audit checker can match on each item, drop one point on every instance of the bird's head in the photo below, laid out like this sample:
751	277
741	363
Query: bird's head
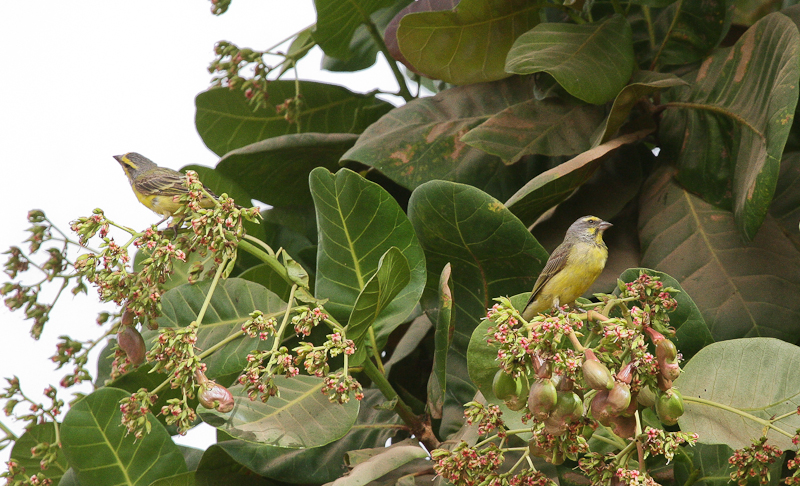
133	163
589	228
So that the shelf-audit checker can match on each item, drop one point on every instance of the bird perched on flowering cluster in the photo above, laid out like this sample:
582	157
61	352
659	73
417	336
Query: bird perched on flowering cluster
156	187
572	267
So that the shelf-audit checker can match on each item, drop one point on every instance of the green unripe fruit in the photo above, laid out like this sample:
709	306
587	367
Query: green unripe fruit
542	398
646	397
669	406
569	408
513	391
619	398
666	351
601	410
597	375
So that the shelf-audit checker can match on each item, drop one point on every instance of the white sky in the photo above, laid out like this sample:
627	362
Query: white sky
82	81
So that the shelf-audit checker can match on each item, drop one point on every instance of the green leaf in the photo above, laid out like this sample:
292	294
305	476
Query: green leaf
692	332
391	277
21	453
688	30
708	466
742	289
298	49
467	44
275	171
593	62
491	253
785	206
548	127
482	356
226	121
727	130
363	47
444	316
301	417
338	20
746	374
421	140
358	222
320	464
231	304
643	83
101	452
553	186
387	460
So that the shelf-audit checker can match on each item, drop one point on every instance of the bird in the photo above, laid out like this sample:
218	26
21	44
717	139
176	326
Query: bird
572	267
155	186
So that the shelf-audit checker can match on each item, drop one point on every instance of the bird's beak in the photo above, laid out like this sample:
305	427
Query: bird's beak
604	225
118	158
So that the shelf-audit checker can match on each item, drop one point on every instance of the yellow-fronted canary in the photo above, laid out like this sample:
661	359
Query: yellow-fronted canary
156	187
572	267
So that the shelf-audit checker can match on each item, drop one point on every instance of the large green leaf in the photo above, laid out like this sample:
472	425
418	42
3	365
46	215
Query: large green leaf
275	171
233	301
752	375
384	461
338	20
391	277
421	140
786	203
727	130
467	44
689	29
643	83
99	449
320	464
363	49
491	254
38	434
553	186
301	417
742	289
692	333
358	222
226	120
593	62
444	319
548	127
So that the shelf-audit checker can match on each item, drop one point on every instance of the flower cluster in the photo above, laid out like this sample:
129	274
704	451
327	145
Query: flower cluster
656	300
135	410
38	412
177	413
634	477
754	462
173	352
488	418
315	358
306	319
663	443
338	386
259	326
567	441
15	475
228	66
793	465
16	295
598	468
465	465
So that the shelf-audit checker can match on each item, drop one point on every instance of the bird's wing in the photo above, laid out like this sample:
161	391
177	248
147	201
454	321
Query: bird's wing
556	262
163	183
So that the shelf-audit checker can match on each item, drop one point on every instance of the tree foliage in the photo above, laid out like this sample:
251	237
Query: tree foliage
395	220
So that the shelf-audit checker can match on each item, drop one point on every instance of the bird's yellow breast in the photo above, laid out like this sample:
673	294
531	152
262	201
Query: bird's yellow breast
584	264
163	205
